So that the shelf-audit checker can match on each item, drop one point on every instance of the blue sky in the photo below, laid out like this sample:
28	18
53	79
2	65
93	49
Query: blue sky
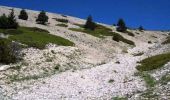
151	14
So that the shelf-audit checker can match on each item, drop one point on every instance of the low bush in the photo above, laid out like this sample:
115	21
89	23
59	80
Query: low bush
23	15
61	20
8	22
8	51
62	25
42	18
117	37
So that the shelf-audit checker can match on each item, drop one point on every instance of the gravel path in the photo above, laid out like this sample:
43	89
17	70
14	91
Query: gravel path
89	83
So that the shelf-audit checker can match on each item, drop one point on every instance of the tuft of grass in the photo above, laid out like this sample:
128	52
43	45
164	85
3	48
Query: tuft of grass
35	37
119	98
149	94
165	79
154	62
138	54
149	80
19	78
62	25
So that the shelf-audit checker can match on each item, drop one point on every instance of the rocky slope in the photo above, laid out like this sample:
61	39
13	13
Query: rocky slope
94	69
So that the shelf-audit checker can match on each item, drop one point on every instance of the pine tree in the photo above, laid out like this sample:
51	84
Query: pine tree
90	24
12	21
23	15
121	26
4	22
42	18
140	28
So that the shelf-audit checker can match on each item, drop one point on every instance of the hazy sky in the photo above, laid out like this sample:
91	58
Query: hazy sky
151	14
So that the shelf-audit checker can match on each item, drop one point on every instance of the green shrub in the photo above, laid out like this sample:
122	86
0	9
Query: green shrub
23	15
117	37
119	98
42	18
62	25
149	80
7	52
61	20
121	26
12	23
154	62
4	23
8	22
35	29
90	25
165	79
141	28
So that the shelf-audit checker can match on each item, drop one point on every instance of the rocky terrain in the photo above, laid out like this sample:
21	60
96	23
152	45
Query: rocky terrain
94	69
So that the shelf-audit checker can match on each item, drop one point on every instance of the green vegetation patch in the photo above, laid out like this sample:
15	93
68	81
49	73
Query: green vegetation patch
119	98
7	52
167	40
35	37
149	94
61	20
117	37
149	80
165	79
154	62
62	25
100	31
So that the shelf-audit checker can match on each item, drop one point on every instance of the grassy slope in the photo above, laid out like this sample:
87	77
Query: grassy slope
102	31
35	37
154	62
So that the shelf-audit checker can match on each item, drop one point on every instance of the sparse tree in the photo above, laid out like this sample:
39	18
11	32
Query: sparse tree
121	26
23	15
8	22
42	18
140	28
12	21
90	24
4	22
